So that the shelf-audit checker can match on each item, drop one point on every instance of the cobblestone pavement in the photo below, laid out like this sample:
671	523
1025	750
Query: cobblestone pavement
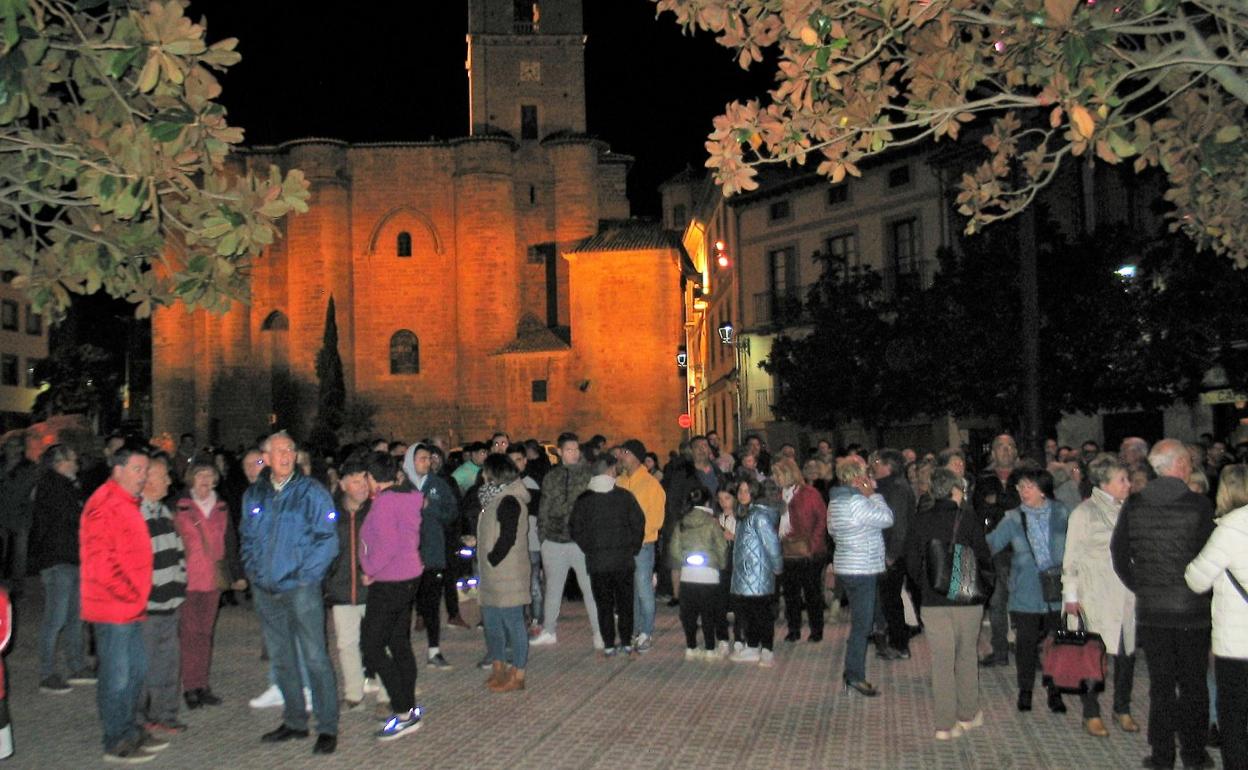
580	711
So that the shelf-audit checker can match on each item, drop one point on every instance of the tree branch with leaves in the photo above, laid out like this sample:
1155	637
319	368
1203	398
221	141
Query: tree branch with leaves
1159	83
114	154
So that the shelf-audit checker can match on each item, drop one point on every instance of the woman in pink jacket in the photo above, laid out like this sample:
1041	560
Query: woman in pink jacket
203	521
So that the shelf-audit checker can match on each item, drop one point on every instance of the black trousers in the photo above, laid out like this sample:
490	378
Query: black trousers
428	600
891	583
1232	676
1178	659
454	568
760	628
386	640
800	584
700	602
726	601
613	593
1030	628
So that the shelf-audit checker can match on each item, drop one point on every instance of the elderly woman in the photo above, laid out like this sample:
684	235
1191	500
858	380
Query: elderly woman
1090	586
857	518
804	547
952	628
203	520
1036	530
1223	565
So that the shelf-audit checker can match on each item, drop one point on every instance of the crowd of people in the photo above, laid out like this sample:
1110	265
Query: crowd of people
1147	547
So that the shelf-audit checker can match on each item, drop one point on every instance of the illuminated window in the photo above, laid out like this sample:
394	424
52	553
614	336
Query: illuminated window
528	121
8	369
539	391
404	353
8	315
404	245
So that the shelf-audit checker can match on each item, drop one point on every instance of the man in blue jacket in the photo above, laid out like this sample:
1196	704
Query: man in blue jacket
289	539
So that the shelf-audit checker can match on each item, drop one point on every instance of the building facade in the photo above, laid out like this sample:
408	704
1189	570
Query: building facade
490	282
23	343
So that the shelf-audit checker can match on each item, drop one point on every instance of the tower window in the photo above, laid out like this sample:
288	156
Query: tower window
404	353
404	245
779	211
539	391
528	121
526	14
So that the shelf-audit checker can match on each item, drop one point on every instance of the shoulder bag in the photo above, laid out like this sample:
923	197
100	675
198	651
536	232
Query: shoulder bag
953	570
1051	578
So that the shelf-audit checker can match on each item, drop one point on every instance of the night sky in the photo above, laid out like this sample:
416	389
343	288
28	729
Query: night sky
396	72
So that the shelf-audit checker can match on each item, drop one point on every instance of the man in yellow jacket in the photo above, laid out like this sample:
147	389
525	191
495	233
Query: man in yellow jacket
652	499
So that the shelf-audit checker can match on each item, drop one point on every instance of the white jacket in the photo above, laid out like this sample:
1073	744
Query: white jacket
1088	575
1227	549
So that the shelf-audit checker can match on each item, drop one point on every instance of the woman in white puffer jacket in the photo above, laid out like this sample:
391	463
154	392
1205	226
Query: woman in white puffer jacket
1222	561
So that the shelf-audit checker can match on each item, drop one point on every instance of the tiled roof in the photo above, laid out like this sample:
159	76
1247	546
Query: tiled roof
629	235
533	337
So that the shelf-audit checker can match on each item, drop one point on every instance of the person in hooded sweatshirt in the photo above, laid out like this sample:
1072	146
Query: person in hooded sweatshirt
608	525
698	545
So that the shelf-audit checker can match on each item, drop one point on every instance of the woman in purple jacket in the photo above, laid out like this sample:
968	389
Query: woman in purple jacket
390	558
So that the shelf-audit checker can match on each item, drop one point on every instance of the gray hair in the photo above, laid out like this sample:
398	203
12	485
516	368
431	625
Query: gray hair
1103	467
268	441
944	481
1165	454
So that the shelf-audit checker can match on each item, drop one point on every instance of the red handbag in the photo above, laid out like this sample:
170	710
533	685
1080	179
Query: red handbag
1074	660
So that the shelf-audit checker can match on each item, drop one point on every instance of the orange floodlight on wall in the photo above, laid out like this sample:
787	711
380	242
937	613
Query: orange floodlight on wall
721	255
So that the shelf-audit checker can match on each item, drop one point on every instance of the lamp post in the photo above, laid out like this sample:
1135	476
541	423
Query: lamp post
728	336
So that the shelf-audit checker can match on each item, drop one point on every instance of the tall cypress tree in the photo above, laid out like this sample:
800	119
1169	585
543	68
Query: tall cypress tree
333	393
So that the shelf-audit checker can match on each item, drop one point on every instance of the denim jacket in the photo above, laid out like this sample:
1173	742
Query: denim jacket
1025	594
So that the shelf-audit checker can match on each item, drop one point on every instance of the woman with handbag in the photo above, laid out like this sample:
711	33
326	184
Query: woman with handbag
953	599
803	546
203	520
1223	565
1091	587
1036	530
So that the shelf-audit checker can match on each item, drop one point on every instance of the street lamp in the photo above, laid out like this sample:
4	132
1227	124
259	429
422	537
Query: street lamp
728	336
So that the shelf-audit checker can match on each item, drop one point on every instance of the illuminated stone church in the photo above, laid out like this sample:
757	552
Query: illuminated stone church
488	282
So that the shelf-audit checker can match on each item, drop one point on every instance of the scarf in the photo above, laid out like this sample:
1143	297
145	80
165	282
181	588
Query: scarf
206	504
488	492
1038	520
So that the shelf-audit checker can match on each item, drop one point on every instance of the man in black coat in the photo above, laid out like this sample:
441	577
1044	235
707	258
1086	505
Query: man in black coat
1160	530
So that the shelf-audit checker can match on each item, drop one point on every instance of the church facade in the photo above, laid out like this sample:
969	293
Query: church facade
490	282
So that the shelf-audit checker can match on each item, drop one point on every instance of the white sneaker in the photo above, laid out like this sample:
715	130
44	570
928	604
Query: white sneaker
598	643
948	735
766	659
722	650
643	643
270	698
746	655
738	646
371	686
693	653
543	639
978	721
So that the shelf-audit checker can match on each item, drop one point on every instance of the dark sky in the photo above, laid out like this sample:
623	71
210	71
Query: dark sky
394	71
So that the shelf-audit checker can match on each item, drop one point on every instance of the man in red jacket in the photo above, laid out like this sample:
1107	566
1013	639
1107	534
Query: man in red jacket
116	556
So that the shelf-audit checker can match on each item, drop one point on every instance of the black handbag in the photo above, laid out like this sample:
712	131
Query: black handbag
953	570
1051	578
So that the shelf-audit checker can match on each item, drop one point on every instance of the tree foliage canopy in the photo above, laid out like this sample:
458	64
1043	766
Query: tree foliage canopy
1105	342
1152	82
113	157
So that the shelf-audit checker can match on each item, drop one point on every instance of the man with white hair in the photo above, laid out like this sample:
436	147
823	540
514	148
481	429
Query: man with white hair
1159	531
1134	452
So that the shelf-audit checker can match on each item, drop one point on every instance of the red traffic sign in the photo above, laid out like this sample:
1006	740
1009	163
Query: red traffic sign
685	421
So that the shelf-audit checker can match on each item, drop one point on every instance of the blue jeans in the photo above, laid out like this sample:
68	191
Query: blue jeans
123	666
504	627
535	586
303	669
294	621
60	613
861	590
643	590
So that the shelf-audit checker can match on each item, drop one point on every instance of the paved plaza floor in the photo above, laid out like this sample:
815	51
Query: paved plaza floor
580	711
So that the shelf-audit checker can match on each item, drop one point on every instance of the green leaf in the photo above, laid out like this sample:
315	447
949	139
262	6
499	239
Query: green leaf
122	60
1228	134
163	131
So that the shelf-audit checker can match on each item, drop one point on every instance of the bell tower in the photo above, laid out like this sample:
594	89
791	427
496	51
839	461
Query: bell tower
526	67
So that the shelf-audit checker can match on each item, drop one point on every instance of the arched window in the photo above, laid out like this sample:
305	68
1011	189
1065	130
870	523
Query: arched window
275	322
404	245
404	353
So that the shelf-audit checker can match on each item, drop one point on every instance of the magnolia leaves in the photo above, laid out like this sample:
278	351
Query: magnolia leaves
118	152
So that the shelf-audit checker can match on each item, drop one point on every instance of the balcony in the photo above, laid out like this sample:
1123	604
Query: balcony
777	310
909	276
525	28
